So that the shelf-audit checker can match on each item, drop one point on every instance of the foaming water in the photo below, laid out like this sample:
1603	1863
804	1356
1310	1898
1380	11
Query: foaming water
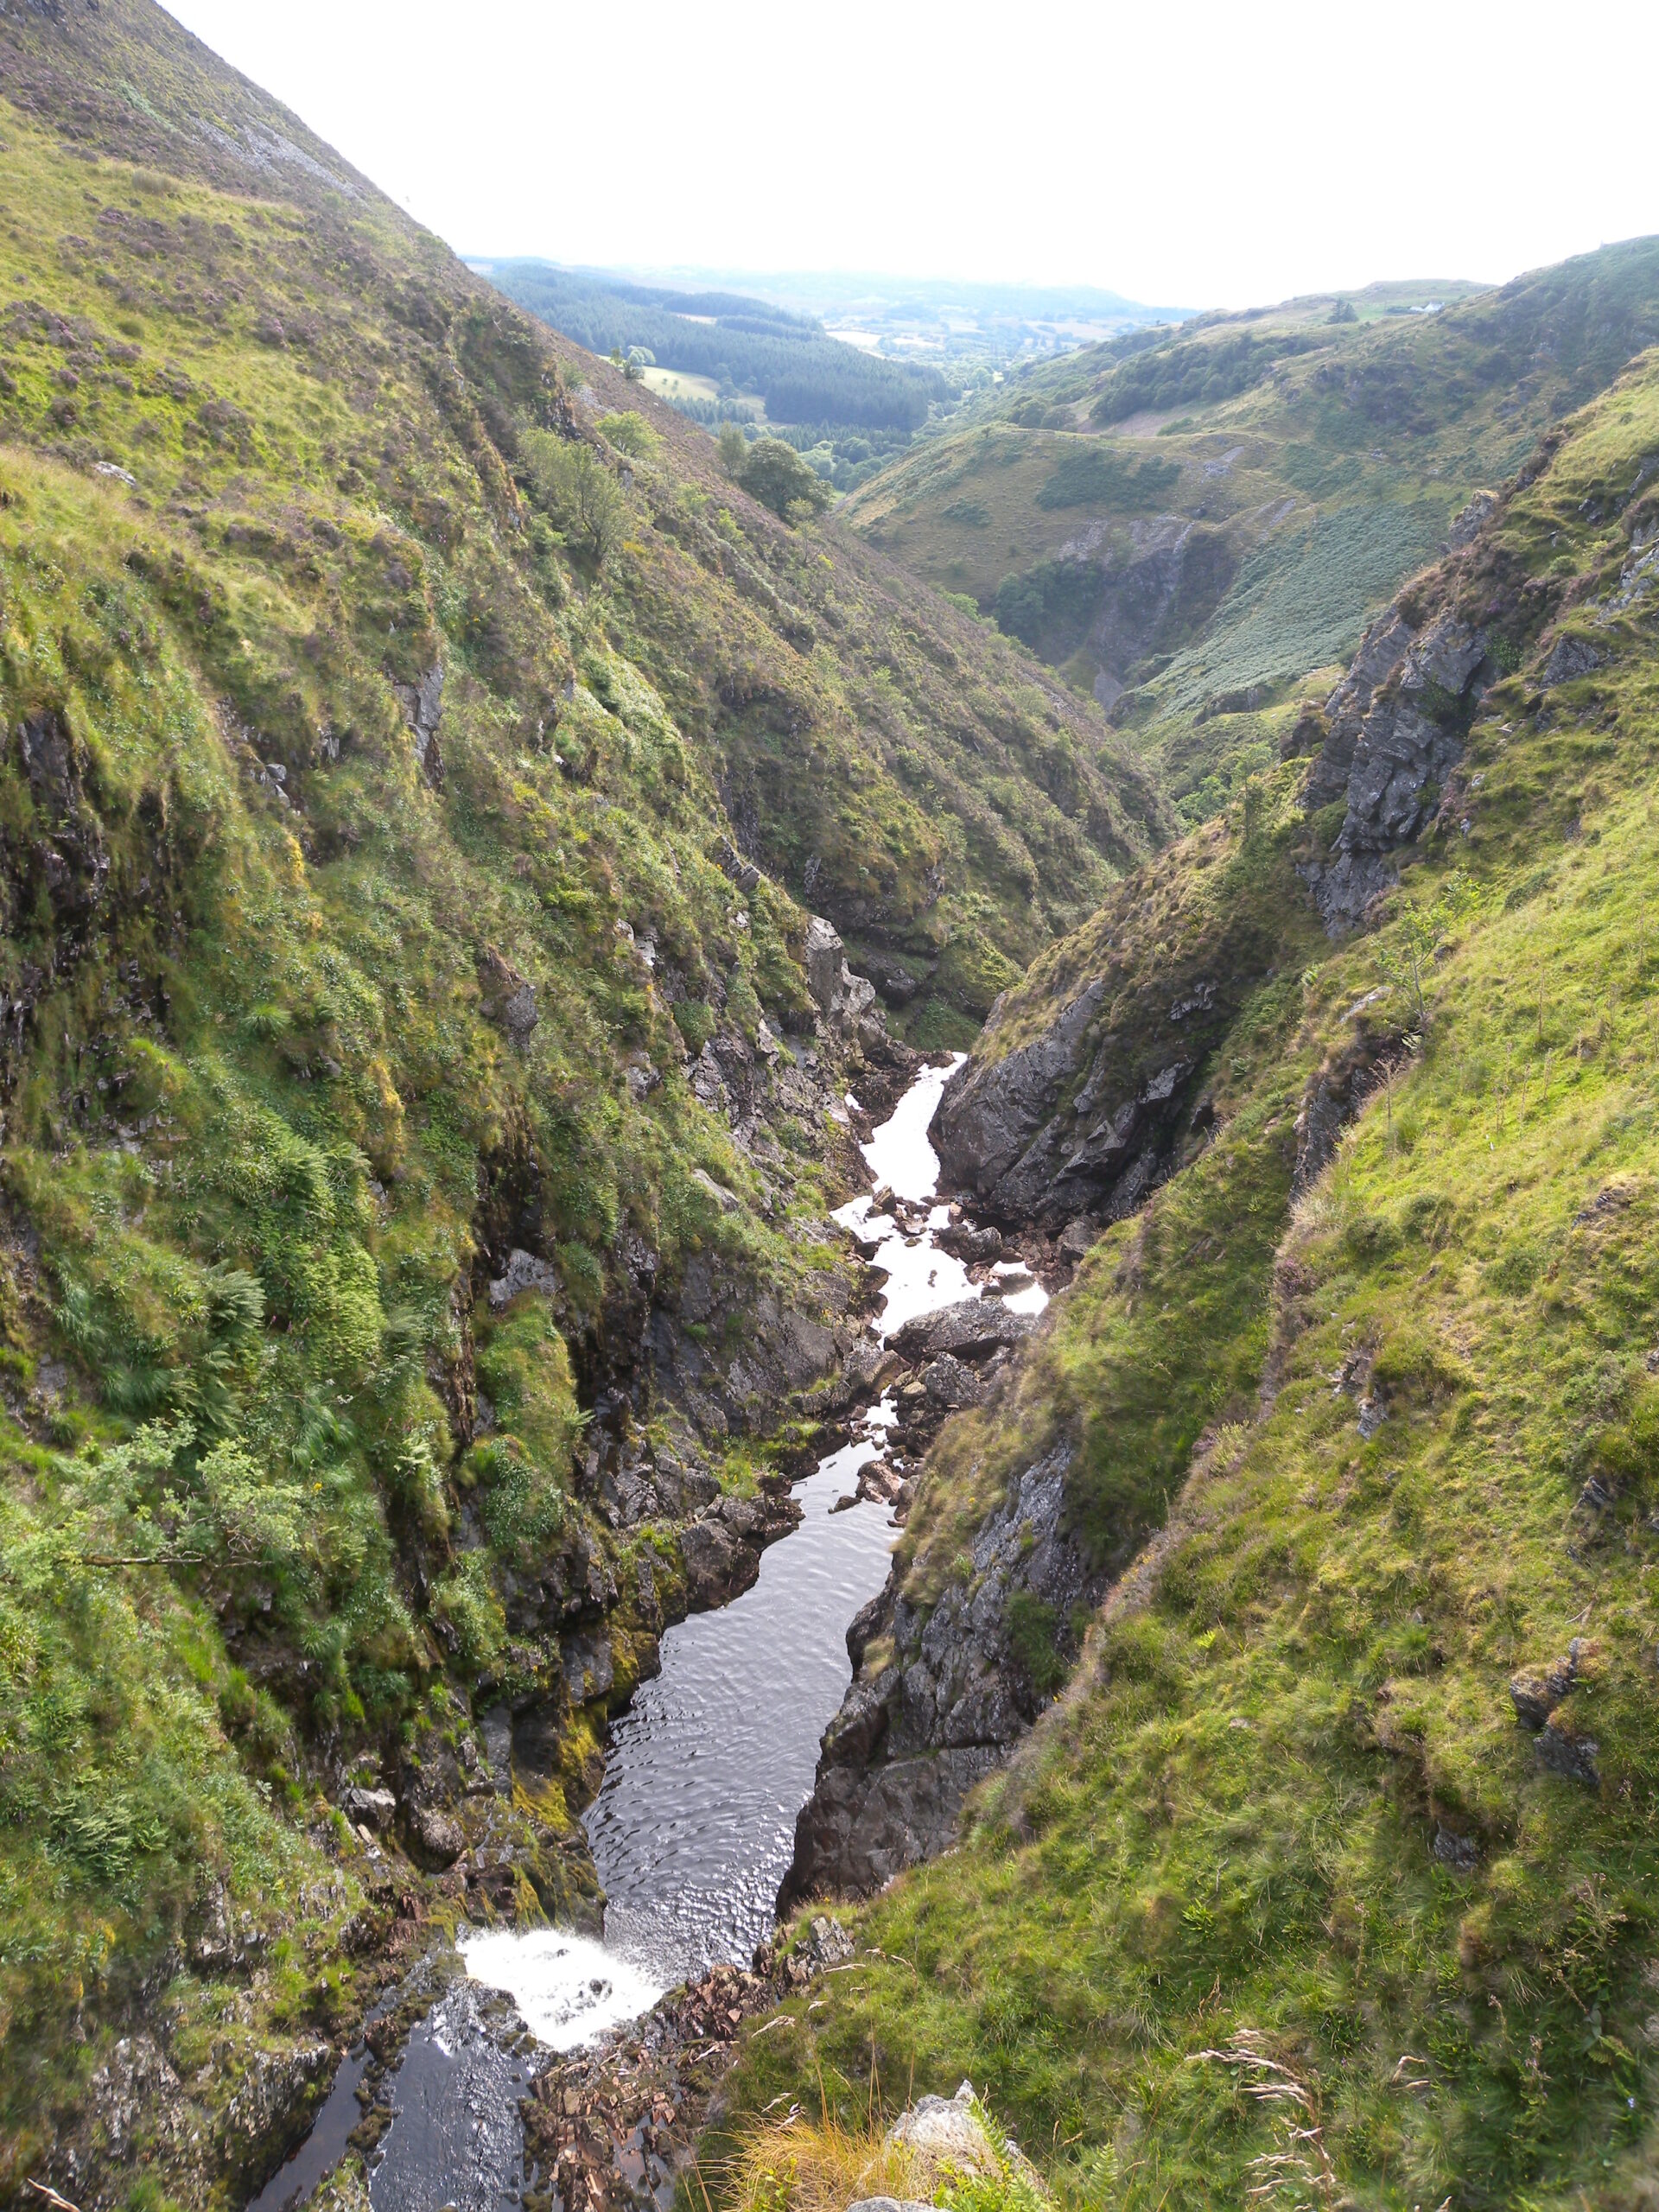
921	1279
899	1152
569	1989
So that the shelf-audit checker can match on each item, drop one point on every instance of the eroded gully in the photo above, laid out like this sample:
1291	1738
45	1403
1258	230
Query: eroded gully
693	1826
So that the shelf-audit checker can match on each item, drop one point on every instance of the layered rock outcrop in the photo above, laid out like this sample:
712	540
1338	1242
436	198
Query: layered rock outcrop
1007	1131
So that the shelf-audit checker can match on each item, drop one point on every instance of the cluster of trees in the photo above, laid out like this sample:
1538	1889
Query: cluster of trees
747	345
1050	607
1194	371
577	490
774	473
847	457
1090	476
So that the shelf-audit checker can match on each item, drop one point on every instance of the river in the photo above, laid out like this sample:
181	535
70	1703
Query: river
693	1826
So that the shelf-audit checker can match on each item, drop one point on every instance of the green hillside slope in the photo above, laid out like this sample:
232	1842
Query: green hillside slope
415	779
1330	1878
1194	528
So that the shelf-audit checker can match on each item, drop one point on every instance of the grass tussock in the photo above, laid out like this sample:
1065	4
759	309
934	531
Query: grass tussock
801	2164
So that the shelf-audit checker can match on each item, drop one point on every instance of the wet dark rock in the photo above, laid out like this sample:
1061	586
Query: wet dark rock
1078	1236
859	1829
867	1624
1004	1131
970	1245
1563	1751
988	1114
720	1551
910	1742
970	1331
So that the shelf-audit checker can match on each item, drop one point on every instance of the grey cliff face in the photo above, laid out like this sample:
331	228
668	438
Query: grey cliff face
1005	1132
1395	731
839	996
910	1741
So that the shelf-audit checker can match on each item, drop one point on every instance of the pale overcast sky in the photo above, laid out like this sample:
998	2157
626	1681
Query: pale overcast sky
1204	155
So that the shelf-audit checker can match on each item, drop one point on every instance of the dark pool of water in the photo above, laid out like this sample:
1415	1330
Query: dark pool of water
694	1827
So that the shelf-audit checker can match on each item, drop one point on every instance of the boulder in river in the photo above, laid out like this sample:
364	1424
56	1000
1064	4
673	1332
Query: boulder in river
720	1550
973	1331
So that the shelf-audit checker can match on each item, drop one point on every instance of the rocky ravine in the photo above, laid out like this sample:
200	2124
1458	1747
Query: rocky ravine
472	1812
1073	1128
1076	1124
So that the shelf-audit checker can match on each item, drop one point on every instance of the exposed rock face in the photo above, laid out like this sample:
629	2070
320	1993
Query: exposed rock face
1001	1130
1570	658
509	997
1339	1088
722	1550
956	1694
1536	1694
276	2097
1467	526
839	994
523	1272
973	1332
1173	572
423	706
1395	730
948	2139
824	963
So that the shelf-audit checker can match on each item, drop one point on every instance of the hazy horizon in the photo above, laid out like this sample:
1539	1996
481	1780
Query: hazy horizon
1294	152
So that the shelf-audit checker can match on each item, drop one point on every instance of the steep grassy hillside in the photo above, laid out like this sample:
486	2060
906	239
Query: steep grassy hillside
1331	1874
419	763
1194	528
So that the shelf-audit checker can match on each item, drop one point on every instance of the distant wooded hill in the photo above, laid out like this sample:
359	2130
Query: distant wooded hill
802	375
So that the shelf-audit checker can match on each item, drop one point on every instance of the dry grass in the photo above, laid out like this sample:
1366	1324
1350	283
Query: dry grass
798	2164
